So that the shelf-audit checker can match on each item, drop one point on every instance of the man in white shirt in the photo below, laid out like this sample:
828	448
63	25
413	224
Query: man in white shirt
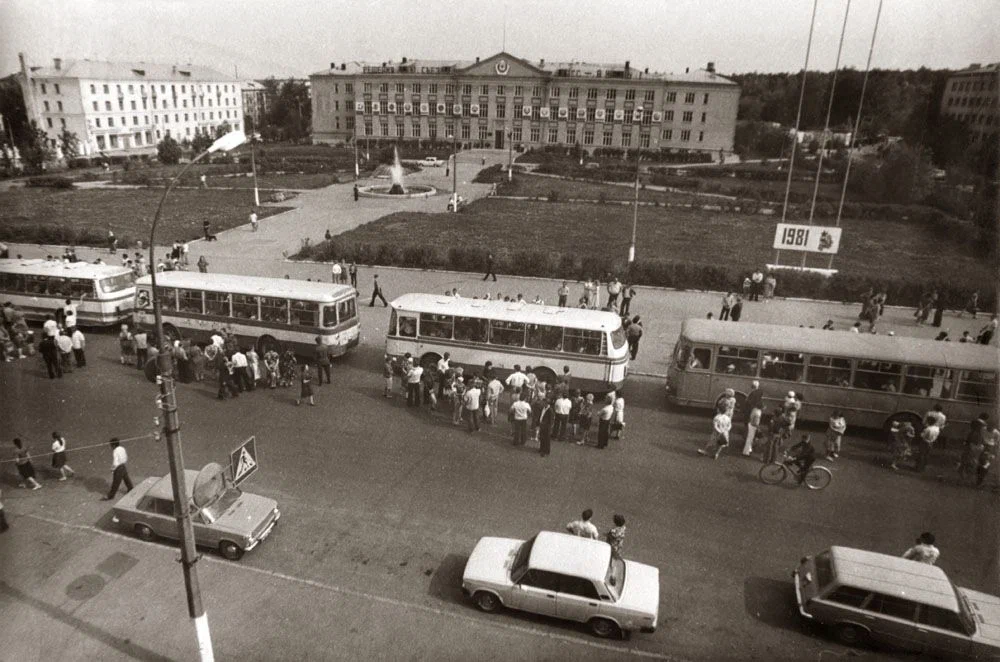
928	436
413	376
335	271
240	371
65	345
50	327
493	391
119	468
583	527
78	343
471	403
561	407
69	314
516	379
520	412
924	551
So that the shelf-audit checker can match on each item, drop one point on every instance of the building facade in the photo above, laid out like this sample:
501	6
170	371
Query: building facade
117	108
971	97
504	100
256	104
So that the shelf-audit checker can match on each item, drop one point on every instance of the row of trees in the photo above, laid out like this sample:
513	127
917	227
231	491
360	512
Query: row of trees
289	113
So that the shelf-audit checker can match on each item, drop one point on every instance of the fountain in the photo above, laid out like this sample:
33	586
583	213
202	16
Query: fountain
396	189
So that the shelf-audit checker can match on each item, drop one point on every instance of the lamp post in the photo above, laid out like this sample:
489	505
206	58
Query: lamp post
454	171
635	219
510	156
253	168
168	403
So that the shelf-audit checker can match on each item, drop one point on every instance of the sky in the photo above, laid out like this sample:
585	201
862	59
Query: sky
261	38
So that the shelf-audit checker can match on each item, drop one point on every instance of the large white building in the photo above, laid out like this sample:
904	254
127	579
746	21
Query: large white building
120	108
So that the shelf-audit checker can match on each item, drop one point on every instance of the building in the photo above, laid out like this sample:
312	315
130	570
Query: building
504	99
256	104
118	108
970	96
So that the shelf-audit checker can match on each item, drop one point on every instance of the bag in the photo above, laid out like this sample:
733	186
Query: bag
487	410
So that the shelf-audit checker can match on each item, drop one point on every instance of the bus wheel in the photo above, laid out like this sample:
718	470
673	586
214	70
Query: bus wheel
429	361
903	417
267	344
170	333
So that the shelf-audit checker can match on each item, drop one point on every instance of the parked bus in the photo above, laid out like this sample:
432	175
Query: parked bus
873	379
104	294
268	313
592	343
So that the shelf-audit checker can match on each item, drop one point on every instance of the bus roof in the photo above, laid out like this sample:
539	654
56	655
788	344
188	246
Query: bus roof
60	269
893	349
529	313
251	285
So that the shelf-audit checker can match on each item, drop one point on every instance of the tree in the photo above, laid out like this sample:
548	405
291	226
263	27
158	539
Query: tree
168	151
35	148
223	129
201	141
759	139
69	142
15	119
902	176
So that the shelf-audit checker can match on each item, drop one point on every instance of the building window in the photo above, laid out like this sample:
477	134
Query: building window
368	128
536	134
113	140
135	119
500	90
56	85
516	134
93	89
608	136
701	136
570	135
644	141
574	93
367	88
649	96
689	97
449	88
184	103
432	131
43	88
685	135
399	130
671	97
466	109
96	107
111	121
688	116
449	129
466	132
536	91
350	122
588	136
133	104
383	88
384	129
591	92
553	134
100	142
628	117
519	90
400	88
629	95
706	98
647	117
432	88
484	89
555	92
627	139
484	110
416	129
349	88
553	112
518	109
48	120
97	121
106	91
611	94
484	133
591	114
467	88
46	103
703	117
668	116
137	139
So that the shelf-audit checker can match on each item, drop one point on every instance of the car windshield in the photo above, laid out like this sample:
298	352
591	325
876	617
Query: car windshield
615	578
218	508
521	560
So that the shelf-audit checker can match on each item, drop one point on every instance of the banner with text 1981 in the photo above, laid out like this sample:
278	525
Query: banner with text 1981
812	238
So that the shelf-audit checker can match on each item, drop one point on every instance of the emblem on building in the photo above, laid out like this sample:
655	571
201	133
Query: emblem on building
502	67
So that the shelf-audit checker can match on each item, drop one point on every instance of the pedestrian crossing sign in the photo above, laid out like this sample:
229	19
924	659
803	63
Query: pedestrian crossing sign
243	460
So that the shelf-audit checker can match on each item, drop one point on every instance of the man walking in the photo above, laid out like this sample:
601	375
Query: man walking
753	409
583	527
633	334
377	293
78	342
928	436
119	468
253	219
471	402
322	360
489	268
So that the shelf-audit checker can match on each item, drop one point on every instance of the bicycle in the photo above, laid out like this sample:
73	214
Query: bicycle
817	477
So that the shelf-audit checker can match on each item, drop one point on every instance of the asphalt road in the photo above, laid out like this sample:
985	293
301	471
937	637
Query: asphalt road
381	506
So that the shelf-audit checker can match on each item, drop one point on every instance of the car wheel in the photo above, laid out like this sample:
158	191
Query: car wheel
604	628
850	634
486	601
144	532
230	550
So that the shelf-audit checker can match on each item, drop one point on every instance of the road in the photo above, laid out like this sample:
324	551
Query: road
381	506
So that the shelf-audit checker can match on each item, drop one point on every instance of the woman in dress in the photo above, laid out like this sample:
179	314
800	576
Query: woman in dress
59	457
769	284
305	381
271	366
288	368
197	358
253	365
586	418
24	467
616	536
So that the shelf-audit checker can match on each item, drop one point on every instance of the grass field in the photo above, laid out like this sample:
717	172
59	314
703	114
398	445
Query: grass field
127	212
272	181
883	249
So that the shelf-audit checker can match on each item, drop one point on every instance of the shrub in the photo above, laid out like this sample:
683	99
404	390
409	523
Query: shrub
50	181
553	196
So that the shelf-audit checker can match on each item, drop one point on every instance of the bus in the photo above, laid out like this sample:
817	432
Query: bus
874	380
592	343
268	313
104	294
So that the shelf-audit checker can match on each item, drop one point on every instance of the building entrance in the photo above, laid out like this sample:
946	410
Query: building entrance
498	140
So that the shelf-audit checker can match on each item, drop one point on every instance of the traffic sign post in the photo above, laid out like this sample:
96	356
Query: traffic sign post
243	461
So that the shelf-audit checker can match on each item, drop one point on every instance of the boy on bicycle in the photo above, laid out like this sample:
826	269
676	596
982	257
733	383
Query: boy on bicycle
802	455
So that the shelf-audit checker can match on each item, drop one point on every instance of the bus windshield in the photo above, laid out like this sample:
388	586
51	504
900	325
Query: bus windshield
117	283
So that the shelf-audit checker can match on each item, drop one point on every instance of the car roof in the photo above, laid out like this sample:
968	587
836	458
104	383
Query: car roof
570	555
895	576
511	311
162	489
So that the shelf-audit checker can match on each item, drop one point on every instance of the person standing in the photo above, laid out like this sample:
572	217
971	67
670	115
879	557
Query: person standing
112	241
586	419
899	440
356	192
618	422
352	271
928	436
65	345
119	470
22	458
991	443
835	434
517	379
471	403
583	527
520	412
737	310
305	386
489	268
633	334
614	290
770	282
616	536
728	299
240	371
604	417
388	372
413	377
493	390
561	408
545	420
721	425
628	293
322	360
755	400
79	344
924	551
443	366
563	293
377	293
50	354
756	284
987	332
253	219
202	265
458	388
59	457
205	227
140	340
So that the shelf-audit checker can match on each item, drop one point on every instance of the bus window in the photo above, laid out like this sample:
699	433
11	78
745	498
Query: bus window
12	282
330	315
347	310
506	333
979	386
81	288
736	361
217	303
245	306
877	376
407	326
304	313
829	370
472	329
167	296
273	310
117	283
930	382
543	336
701	359
36	284
436	326
581	341
618	338
189	301
58	286
786	366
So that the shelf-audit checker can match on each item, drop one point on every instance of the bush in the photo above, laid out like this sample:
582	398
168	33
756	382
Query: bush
50	181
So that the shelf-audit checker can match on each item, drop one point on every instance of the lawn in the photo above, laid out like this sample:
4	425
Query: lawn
291	180
870	249
537	186
52	215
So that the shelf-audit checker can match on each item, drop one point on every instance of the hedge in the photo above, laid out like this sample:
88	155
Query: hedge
652	272
50	181
54	234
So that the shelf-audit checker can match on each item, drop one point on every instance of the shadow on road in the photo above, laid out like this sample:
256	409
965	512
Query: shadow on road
772	602
446	582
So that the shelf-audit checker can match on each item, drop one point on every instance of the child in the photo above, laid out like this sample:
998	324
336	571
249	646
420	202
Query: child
306	382
721	425
834	434
59	456
618	422
585	418
24	467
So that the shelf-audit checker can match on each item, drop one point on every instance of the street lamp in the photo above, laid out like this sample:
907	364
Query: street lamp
253	168
168	402
510	156
454	171
635	217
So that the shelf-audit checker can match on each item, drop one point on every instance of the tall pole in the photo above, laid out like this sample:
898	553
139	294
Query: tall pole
253	167
454	167
357	170
635	220
510	156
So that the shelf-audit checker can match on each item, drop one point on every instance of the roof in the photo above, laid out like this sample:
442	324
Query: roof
571	555
151	71
529	313
253	285
978	69
61	269
162	489
894	575
895	349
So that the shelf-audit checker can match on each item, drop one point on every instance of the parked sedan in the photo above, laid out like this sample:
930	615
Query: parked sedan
431	161
556	574
233	521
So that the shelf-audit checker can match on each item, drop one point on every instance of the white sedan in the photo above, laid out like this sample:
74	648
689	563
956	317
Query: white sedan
432	162
557	574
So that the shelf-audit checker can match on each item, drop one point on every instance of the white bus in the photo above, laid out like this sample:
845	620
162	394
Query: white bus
269	313
873	379
592	343
104	294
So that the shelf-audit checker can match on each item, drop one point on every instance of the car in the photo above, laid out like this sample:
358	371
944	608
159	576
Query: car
566	576
870	597
231	521
431	162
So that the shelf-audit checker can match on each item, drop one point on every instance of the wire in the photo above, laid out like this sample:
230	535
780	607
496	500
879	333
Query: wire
83	448
798	114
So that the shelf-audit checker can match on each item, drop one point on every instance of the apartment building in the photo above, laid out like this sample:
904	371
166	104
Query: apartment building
971	96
